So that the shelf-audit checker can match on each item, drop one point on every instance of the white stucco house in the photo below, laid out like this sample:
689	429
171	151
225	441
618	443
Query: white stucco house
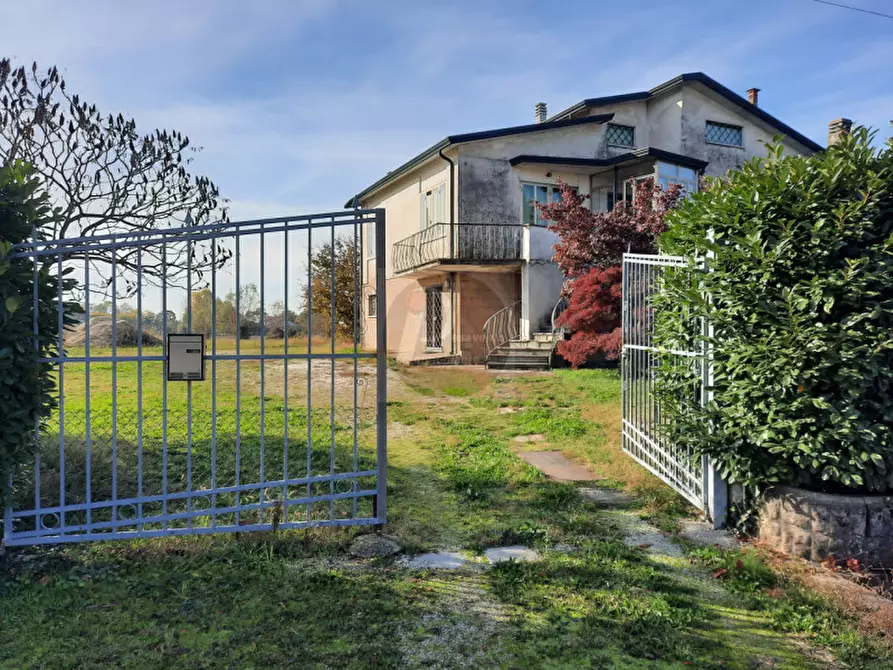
468	264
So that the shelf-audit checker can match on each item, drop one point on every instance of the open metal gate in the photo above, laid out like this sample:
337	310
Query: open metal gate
217	382
692	476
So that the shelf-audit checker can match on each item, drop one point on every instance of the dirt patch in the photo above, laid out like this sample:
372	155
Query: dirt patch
872	611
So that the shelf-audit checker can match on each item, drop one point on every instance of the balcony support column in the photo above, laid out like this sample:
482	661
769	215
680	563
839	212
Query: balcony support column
524	330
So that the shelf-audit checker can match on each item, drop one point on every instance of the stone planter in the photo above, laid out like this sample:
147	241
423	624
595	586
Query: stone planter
816	525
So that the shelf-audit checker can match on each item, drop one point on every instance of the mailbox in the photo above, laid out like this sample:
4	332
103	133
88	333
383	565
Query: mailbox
185	357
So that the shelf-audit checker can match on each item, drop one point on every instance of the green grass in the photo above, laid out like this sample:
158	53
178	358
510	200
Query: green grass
293	599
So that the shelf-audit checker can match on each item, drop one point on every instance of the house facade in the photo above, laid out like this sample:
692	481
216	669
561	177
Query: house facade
468	264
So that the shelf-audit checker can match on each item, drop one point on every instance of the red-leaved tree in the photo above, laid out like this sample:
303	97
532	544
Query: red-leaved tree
589	252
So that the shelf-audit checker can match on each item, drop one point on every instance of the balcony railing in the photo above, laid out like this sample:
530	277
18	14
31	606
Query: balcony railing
458	243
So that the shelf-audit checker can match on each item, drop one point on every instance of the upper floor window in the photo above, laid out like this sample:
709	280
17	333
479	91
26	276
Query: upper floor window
532	194
433	206
724	133
620	136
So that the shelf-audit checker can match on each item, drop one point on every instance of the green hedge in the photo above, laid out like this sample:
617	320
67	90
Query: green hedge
800	286
26	386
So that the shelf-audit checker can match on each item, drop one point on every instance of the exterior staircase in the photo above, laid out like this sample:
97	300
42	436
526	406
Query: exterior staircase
535	354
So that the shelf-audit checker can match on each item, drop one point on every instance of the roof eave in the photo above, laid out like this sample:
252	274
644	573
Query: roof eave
464	138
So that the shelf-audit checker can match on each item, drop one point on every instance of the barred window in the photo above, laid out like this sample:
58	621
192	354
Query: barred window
724	133
620	136
373	305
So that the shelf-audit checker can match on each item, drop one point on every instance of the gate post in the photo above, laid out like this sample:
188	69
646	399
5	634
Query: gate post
381	352
716	489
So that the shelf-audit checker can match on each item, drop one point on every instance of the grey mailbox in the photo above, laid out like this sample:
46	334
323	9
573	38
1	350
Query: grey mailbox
185	357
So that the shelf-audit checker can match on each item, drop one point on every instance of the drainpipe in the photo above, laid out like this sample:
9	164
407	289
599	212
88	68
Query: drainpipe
452	252
615	185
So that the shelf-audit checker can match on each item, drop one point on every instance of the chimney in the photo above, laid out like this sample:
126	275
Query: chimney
837	129
753	95
540	111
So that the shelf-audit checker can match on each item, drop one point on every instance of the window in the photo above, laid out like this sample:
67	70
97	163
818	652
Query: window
668	173
620	136
433	206
723	133
533	193
370	240
372	309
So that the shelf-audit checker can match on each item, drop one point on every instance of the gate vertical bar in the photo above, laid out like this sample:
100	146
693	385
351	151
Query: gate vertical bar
309	363
189	307
213	510
333	290
263	393
381	342
88	466
237	459
139	382
357	299
36	324
164	344
114	388
60	313
286	331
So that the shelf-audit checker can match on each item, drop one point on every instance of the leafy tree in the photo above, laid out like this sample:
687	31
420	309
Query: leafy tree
791	264
589	252
104	176
346	269
26	385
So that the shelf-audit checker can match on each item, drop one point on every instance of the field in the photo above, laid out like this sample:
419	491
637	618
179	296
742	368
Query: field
594	599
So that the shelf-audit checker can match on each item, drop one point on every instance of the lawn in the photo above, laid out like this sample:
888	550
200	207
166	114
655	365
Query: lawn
297	599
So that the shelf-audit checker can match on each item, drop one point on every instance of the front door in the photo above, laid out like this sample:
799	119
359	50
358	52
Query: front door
434	318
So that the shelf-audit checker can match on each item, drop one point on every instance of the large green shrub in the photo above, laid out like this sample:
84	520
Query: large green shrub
26	386
797	283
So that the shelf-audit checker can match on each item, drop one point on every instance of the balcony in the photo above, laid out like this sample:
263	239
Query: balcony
459	244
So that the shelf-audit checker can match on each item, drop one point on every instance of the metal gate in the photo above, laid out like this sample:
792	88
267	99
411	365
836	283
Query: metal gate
692	476
217	382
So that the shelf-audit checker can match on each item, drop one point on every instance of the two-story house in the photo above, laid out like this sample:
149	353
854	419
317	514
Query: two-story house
469	269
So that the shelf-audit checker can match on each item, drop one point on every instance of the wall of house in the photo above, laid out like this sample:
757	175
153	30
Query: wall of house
541	283
701	105
665	122
407	328
490	187
402	204
480	295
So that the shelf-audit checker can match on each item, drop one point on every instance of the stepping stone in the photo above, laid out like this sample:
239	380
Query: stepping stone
515	552
555	466
441	560
702	532
374	545
606	496
537	437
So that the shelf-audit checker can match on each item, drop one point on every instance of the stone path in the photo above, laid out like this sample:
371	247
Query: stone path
555	466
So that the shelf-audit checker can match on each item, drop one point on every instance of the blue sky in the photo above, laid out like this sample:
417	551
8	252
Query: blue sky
299	104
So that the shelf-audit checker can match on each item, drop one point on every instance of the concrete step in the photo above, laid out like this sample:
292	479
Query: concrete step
509	363
530	344
526	352
508	358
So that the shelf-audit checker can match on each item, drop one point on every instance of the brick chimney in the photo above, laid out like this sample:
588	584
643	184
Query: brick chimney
837	129
540	112
753	96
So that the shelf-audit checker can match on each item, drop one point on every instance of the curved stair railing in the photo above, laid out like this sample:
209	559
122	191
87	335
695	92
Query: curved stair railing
502	327
557	311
